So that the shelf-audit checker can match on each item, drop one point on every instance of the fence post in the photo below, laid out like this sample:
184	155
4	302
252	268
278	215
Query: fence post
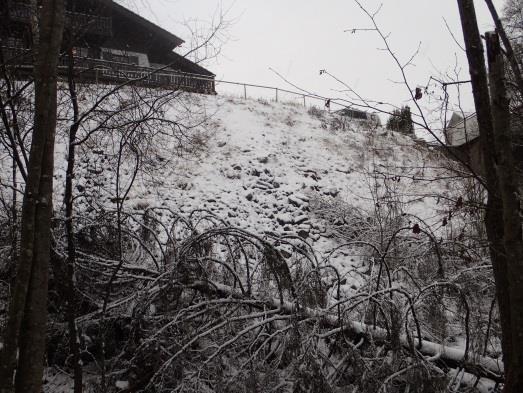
304	103
276	95
245	91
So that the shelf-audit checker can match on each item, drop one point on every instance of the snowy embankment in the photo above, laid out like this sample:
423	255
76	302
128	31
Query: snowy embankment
266	162
280	170
270	168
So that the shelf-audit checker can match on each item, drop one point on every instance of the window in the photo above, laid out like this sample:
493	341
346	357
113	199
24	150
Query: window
81	52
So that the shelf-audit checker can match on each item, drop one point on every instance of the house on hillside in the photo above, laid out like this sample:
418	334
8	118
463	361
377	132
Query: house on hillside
356	114
462	136
109	44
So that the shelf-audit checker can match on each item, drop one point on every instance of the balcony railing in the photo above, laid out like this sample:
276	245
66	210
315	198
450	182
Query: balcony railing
16	56
93	24
103	71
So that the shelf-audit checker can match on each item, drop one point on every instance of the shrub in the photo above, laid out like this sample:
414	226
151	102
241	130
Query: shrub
401	121
316	112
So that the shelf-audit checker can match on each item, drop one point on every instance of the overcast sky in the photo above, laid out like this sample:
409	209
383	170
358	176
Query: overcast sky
298	38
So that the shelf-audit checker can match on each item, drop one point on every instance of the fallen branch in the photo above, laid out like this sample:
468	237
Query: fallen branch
481	366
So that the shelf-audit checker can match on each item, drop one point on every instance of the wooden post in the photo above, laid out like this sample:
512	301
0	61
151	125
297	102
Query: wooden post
304	103
276	95
245	91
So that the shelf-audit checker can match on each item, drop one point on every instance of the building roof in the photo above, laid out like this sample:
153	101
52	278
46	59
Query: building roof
172	39
191	66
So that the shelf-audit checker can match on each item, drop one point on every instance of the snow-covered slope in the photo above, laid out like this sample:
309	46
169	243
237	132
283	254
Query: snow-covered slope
276	170
270	167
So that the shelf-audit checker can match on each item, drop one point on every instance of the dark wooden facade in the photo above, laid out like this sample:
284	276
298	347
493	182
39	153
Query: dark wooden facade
108	43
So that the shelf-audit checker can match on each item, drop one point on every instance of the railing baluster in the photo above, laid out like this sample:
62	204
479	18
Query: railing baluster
94	23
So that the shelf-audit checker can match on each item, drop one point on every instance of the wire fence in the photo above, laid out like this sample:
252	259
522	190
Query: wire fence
276	94
301	98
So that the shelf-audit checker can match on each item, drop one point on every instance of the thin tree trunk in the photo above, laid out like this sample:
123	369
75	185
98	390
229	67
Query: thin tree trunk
70	291
14	215
26	327
494	212
513	239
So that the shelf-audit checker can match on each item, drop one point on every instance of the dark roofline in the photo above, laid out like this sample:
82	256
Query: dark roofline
171	38
198	69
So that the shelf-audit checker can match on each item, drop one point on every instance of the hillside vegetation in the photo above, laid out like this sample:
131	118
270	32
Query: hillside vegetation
250	246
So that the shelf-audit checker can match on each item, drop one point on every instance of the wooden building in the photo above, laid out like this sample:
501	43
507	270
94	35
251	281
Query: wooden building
109	44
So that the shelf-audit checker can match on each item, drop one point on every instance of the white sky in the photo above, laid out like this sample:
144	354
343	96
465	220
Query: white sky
299	37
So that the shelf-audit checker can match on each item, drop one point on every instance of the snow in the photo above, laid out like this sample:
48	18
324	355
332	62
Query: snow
275	159
264	167
122	384
270	168
57	381
261	166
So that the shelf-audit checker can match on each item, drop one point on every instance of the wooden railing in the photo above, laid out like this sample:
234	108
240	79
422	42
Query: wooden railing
94	24
16	56
100	71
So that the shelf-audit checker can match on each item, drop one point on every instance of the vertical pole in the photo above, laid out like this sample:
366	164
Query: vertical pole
276	95
304	103
245	91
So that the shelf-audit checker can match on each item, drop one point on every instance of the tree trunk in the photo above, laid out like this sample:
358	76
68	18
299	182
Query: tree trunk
509	51
69	287
26	327
513	239
494	212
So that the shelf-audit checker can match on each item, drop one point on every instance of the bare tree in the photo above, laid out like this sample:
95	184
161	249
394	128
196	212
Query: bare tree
503	210
26	329
187	303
